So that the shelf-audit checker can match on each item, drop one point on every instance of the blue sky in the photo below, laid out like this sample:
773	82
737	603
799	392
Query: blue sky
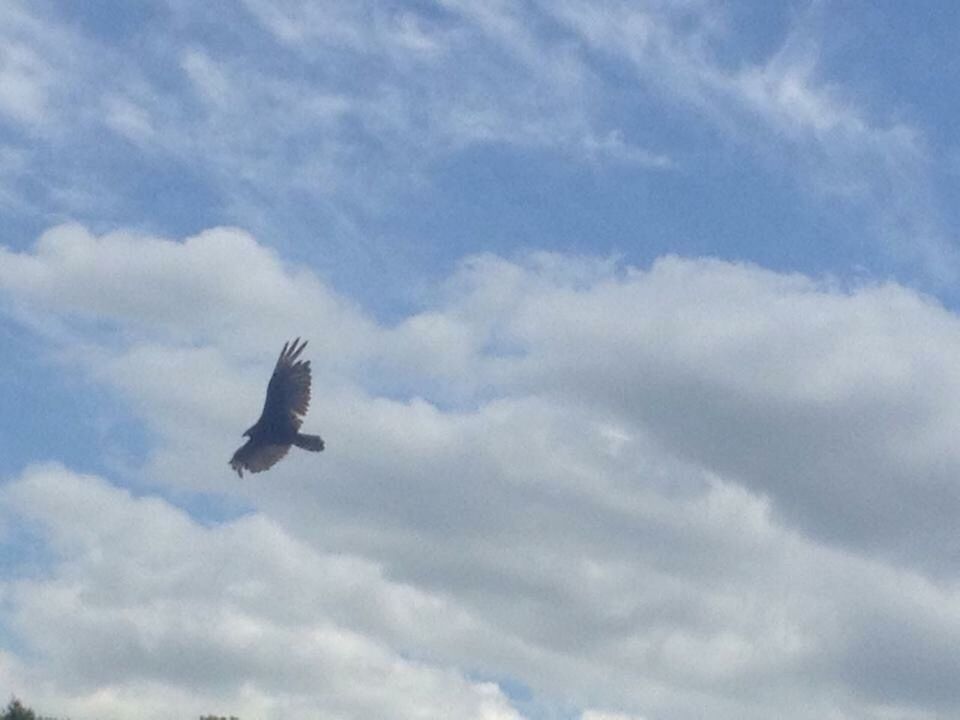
373	147
633	330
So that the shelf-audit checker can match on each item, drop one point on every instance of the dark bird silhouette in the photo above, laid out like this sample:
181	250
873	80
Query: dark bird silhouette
288	397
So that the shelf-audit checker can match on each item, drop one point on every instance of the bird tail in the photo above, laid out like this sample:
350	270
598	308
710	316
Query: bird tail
313	443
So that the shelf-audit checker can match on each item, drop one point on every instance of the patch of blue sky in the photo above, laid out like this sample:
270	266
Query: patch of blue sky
719	198
113	22
526	701
60	417
896	58
756	30
51	414
105	182
496	199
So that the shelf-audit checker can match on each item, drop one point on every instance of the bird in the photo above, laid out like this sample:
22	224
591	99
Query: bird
288	397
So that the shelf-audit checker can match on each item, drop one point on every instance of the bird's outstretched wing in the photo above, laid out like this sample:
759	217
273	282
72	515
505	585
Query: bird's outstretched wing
288	394
288	398
256	457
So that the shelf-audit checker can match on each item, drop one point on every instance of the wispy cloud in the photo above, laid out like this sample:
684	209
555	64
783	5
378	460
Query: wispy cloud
784	106
354	105
352	98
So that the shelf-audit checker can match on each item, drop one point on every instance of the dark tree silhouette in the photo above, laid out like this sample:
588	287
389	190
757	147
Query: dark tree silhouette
288	397
16	711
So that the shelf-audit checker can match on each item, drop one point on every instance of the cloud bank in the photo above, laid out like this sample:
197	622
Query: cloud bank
697	487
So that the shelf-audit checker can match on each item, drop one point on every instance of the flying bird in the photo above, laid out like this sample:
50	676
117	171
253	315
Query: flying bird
288	397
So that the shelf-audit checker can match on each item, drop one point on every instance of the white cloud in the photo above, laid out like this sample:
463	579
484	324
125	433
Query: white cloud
129	120
147	613
142	285
26	75
804	393
697	487
22	84
612	147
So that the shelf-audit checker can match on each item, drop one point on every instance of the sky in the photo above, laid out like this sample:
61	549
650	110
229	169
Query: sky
634	333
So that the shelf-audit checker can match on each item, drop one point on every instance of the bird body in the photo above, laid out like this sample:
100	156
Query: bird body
288	398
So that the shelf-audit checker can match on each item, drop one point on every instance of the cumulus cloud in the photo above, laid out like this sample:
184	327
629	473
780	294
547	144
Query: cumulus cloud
147	613
142	283
808	394
695	487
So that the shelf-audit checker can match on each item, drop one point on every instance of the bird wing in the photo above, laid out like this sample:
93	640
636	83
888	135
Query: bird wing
256	457
288	394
